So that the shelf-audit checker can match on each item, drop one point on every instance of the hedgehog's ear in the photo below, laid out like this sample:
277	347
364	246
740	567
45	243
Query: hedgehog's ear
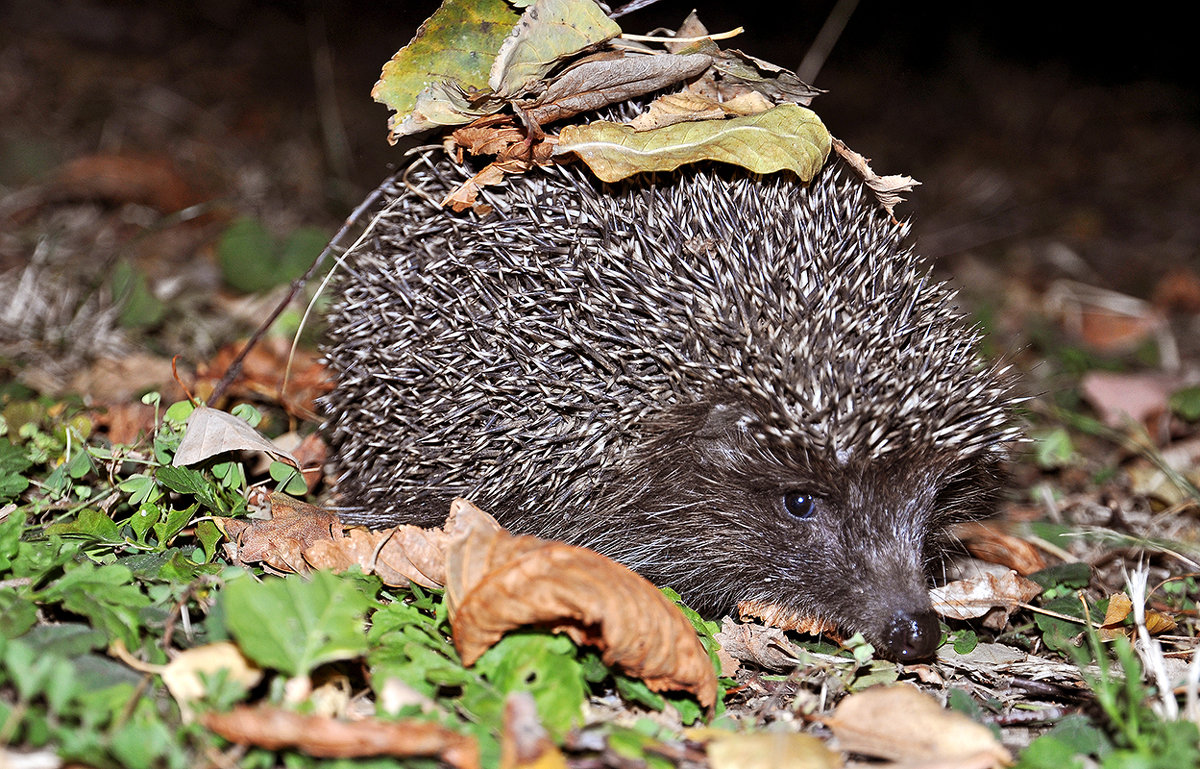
721	434
722	430
724	419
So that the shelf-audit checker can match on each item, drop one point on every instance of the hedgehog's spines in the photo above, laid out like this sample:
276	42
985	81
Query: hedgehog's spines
612	303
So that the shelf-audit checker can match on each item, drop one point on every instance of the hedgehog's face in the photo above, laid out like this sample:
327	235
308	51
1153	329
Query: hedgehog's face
844	539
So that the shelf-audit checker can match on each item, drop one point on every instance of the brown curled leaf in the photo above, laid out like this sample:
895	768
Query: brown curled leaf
987	543
280	542
491	135
466	195
887	189
274	729
681	107
786	619
397	556
766	647
734	73
497	582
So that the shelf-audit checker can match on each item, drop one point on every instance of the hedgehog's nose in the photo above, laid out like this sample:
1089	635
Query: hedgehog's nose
911	637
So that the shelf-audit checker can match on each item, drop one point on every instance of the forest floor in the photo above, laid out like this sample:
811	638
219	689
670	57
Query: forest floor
164	175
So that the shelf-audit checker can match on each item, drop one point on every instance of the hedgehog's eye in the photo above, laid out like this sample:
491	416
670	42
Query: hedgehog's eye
799	504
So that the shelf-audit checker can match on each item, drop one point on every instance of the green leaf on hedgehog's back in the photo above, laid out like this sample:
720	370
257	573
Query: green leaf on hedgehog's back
457	44
786	137
548	31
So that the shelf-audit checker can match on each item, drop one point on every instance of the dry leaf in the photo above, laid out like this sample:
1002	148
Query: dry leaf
210	432
985	542
684	106
1178	291
275	729
968	598
497	582
593	84
672	108
766	647
408	554
1120	607
691	27
465	195
734	73
769	750
902	724
887	189
1157	622
1103	320
121	380
785	137
125	422
784	618
1119	398
263	371
182	675
489	136
525	743
151	180
281	541
311	454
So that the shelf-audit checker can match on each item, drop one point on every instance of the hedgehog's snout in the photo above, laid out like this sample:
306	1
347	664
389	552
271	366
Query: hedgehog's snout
909	637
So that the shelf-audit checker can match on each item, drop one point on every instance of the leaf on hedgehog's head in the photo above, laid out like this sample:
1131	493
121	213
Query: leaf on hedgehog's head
734	73
785	137
456	45
607	78
548	31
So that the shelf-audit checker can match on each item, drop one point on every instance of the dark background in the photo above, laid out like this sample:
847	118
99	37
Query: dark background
1052	139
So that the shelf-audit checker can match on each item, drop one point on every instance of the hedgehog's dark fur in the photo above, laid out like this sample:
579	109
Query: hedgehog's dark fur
648	368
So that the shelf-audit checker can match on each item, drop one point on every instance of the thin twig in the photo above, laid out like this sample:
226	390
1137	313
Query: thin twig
827	37
235	367
630	7
661	39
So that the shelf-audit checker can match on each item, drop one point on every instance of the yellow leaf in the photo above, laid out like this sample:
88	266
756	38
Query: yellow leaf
903	724
770	750
183	674
457	45
786	137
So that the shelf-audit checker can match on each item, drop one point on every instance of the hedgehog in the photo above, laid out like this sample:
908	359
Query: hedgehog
743	387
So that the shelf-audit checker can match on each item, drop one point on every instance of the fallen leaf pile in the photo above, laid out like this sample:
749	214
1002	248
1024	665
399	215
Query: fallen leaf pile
503	75
496	582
